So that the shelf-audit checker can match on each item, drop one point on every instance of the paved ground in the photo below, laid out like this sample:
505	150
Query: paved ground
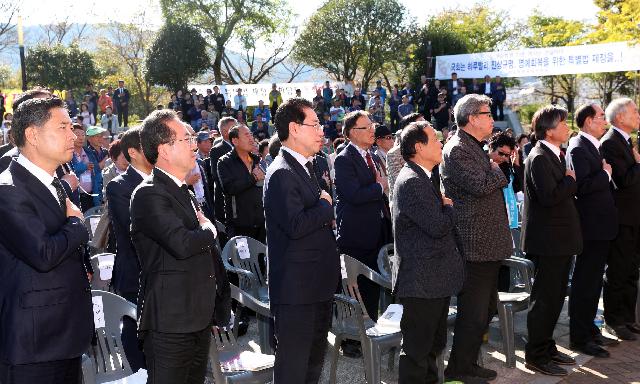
622	367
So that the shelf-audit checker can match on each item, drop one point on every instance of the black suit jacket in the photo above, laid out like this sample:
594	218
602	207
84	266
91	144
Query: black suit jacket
217	151
594	200
360	201
126	270
304	266
550	222
626	175
242	195
424	234
178	281
45	298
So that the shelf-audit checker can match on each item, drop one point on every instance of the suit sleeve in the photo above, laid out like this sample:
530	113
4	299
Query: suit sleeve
232	180
118	201
25	235
623	175
588	182
283	201
152	213
463	170
350	188
416	202
548	191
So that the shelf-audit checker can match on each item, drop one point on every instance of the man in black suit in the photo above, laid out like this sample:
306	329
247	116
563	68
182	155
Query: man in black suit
599	223
242	179
46	316
360	209
126	270
551	235
304	267
121	103
620	285
431	268
218	150
181	271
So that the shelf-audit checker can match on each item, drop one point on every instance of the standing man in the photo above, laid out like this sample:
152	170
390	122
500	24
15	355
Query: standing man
431	268
46	317
498	96
121	100
275	99
304	267
218	100
126	270
175	242
217	151
241	179
620	285
551	235
475	183
599	223
360	209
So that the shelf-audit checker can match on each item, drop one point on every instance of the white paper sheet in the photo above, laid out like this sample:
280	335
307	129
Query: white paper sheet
98	311
243	248
105	265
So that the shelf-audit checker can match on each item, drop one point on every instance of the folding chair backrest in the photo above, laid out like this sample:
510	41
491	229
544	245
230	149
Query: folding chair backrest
249	261
388	264
108	357
248	301
223	348
94	211
352	269
348	315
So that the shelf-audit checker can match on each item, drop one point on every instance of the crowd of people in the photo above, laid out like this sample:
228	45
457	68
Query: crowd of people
447	202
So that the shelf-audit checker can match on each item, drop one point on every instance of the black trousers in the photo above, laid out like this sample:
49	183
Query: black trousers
130	343
497	110
301	333
547	298
177	358
424	337
273	109
369	291
86	202
123	115
477	303
621	279
51	372
586	286
394	121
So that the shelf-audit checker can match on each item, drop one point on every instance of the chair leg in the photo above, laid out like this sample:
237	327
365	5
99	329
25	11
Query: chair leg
392	359
372	362
334	359
505	313
263	334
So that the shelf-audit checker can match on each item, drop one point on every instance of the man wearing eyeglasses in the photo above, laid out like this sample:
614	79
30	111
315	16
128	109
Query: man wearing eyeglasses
181	273
475	183
360	209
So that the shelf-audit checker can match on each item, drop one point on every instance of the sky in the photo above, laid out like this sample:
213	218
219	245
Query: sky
44	11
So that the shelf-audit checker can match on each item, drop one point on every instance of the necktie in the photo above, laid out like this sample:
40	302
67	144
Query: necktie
190	198
630	142
312	174
563	161
62	195
370	164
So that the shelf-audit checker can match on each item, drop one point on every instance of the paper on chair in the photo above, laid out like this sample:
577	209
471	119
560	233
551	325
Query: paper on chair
388	323
98	311
243	248
343	267
249	361
105	265
93	221
139	377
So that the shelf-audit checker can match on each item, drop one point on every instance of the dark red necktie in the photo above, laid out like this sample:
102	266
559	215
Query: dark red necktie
370	163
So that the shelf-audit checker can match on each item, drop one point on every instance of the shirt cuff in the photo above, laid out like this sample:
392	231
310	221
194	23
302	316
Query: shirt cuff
209	226
608	174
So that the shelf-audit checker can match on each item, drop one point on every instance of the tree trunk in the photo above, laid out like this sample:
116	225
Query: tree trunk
217	64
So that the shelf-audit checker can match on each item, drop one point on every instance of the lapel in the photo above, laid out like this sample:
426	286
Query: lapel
160	178
132	177
300	170
622	142
592	148
552	156
35	188
416	168
353	151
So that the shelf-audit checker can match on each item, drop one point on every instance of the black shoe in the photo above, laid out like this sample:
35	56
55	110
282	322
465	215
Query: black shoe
562	359
624	333
633	327
485	373
351	349
605	341
592	349
549	368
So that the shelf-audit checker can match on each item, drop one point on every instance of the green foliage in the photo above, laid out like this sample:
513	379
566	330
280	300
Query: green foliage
177	56
551	31
59	67
345	37
527	111
221	21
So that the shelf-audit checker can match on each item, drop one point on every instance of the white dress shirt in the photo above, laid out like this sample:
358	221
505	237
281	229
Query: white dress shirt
555	149
39	174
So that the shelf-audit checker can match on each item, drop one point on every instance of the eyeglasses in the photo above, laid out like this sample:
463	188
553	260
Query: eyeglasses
504	154
191	139
482	113
316	125
370	126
